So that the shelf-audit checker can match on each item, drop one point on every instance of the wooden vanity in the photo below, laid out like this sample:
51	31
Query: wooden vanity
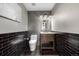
47	43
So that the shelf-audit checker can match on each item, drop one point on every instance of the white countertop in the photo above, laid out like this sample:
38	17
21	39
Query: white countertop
56	32
48	32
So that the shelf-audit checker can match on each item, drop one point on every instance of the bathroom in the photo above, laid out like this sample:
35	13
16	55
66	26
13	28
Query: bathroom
35	29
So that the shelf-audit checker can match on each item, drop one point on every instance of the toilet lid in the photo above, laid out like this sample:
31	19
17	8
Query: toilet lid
34	36
32	41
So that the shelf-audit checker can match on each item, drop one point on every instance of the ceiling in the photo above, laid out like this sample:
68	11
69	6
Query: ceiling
39	6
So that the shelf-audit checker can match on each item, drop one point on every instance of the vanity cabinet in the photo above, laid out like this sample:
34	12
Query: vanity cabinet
47	44
59	43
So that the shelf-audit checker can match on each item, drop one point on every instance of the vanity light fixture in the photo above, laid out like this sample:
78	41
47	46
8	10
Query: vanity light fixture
45	17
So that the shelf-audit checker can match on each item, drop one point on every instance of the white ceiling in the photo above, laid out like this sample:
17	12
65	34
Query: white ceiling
39	6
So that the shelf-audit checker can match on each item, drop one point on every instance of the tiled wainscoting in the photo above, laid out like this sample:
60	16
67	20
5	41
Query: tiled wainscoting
14	44
67	44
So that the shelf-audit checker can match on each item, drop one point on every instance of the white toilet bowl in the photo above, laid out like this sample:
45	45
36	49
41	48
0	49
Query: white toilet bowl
33	42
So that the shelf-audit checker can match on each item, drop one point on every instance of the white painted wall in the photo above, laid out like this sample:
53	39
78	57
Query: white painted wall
11	10
7	26
66	17
24	17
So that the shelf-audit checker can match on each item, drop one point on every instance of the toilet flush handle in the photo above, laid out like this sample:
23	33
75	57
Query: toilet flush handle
26	38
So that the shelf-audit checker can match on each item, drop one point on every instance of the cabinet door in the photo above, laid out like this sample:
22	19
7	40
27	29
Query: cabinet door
10	10
59	43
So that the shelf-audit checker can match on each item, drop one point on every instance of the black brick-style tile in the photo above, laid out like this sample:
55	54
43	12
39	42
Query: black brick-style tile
67	44
9	49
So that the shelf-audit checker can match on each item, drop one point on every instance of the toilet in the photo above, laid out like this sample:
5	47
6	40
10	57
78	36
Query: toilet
32	42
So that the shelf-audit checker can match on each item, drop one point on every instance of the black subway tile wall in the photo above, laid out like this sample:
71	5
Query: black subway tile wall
67	44
14	44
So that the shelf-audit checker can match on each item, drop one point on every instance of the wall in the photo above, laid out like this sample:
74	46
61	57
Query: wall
14	44
7	26
24	16
34	20
67	44
66	17
10	10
